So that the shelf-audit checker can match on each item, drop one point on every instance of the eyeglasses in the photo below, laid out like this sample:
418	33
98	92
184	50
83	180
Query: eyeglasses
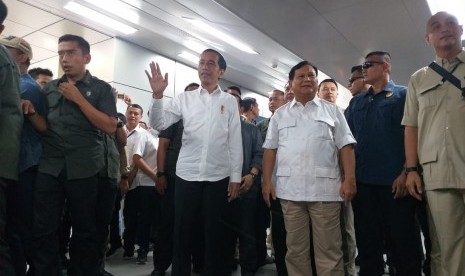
351	80
368	64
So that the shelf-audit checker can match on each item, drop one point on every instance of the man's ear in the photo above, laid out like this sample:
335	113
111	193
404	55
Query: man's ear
221	73
427	38
87	58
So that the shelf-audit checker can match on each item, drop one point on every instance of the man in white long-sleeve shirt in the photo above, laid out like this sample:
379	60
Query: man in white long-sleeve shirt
210	161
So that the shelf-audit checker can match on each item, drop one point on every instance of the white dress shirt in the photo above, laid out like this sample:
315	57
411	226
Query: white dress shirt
145	145
308	139
211	141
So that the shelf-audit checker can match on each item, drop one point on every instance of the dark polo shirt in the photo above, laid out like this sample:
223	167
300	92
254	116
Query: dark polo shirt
11	117
71	142
375	121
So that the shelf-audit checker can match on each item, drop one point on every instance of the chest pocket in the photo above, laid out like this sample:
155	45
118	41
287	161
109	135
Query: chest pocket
324	128
285	128
429	96
390	113
54	99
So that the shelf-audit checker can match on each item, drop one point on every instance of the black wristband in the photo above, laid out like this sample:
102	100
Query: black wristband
254	175
124	176
410	169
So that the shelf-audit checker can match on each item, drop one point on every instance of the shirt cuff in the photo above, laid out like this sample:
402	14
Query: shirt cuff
235	177
157	103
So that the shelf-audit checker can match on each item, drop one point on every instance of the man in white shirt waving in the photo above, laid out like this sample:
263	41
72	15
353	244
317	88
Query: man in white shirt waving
210	161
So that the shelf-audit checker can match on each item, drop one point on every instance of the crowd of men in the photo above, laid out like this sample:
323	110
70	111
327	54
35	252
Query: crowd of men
331	184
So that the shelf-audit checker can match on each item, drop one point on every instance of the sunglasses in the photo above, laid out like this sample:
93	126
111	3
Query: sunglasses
368	64
351	80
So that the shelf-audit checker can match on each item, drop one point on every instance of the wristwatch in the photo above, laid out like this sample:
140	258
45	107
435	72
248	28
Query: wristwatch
410	169
124	176
161	174
254	175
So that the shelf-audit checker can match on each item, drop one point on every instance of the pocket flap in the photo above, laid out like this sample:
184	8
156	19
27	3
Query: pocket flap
287	123
326	120
283	171
327	172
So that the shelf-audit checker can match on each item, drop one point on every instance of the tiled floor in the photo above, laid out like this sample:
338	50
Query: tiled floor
119	267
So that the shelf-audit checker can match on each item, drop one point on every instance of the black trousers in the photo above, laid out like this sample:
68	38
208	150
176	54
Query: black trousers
82	200
139	210
262	222
115	236
375	209
163	255
210	199
423	220
6	265
105	204
243	212
20	219
278	235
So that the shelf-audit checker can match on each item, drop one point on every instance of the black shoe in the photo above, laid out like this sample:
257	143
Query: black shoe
157	273
357	260
112	250
197	270
234	264
269	259
64	261
106	273
128	255
141	258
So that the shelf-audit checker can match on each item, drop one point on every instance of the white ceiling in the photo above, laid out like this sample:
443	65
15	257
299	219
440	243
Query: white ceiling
332	34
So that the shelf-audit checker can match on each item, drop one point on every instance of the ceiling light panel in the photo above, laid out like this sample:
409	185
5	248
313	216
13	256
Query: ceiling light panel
190	57
206	28
117	8
99	18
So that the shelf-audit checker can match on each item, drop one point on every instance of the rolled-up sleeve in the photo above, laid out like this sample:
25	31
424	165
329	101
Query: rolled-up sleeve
163	114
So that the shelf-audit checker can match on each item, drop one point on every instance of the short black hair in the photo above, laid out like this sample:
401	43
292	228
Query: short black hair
237	97
35	72
327	80
82	43
247	103
356	68
3	12
221	60
136	106
382	54
300	65
279	91
233	87
192	84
